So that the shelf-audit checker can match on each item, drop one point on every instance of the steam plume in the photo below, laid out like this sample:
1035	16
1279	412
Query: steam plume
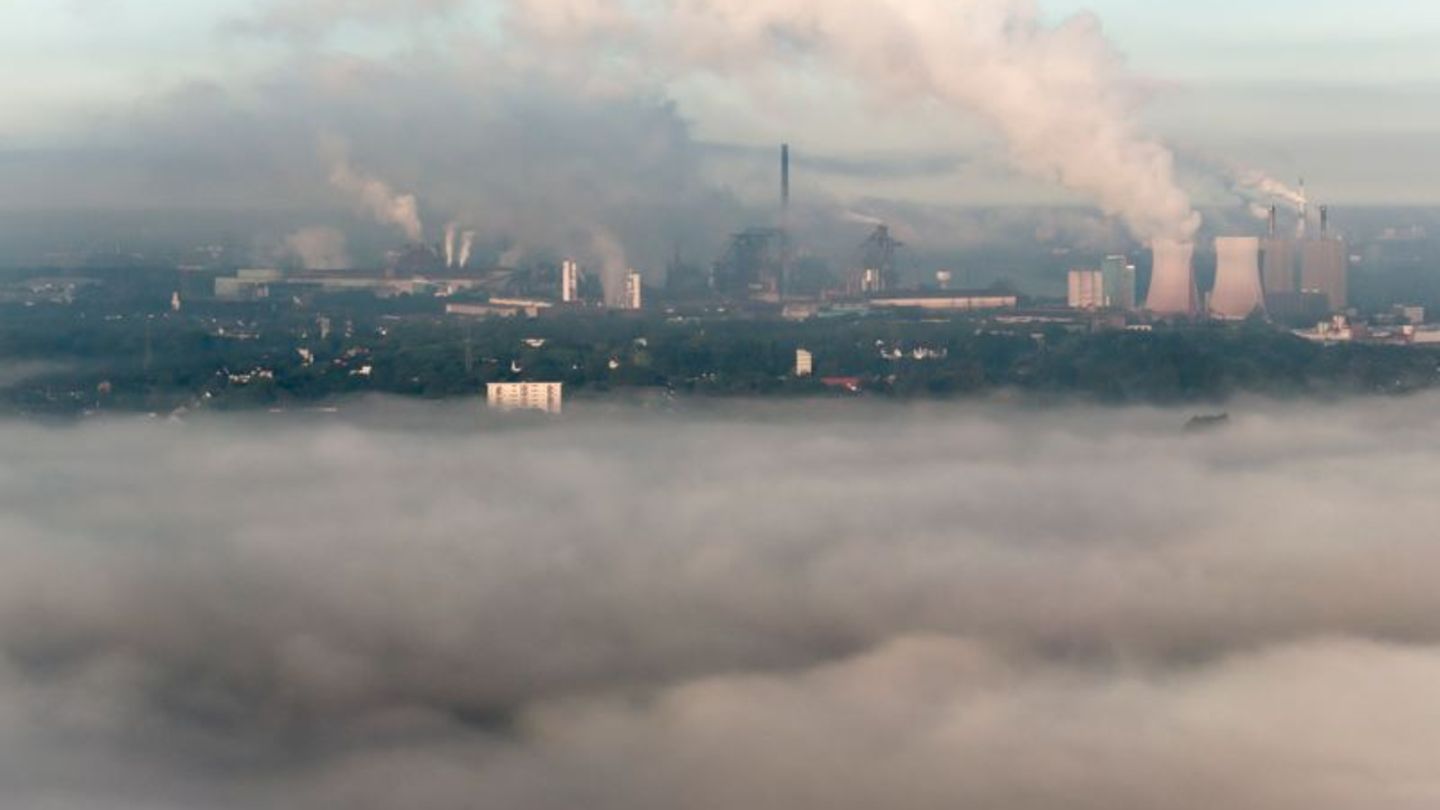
613	264
319	248
1058	93
1263	189
450	245
382	202
467	246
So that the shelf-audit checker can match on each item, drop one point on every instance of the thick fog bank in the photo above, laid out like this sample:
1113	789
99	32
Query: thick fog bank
777	606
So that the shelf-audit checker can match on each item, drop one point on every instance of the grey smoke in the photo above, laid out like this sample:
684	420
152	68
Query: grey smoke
374	195
319	248
773	606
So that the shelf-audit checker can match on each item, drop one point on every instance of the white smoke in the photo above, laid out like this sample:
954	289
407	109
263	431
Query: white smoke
1059	93
863	219
613	264
467	246
319	248
450	245
377	197
1258	187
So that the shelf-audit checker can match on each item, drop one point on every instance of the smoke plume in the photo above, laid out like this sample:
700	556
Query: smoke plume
768	606
467	246
374	195
610	256
1255	185
1059	94
319	248
450	244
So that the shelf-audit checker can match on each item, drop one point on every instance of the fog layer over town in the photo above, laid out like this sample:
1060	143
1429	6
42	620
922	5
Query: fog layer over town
765	606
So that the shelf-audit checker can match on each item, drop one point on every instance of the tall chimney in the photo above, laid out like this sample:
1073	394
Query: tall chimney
1324	220
785	176
1274	220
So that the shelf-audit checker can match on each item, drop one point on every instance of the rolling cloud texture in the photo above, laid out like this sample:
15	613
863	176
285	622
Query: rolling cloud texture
760	606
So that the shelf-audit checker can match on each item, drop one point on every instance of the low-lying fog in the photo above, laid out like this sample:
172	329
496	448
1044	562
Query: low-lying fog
779	607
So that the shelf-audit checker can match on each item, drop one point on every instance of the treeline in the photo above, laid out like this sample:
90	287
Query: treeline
67	359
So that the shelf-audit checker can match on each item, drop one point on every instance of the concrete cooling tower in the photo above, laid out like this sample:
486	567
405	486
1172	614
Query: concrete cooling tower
1172	284
1238	291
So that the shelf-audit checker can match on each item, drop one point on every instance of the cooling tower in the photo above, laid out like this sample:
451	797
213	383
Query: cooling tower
1172	283
1238	291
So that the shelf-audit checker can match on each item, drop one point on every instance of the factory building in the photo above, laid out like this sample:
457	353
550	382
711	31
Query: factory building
1172	283
547	397
1277	261
570	281
1238	291
946	301
1324	266
1119	281
1086	289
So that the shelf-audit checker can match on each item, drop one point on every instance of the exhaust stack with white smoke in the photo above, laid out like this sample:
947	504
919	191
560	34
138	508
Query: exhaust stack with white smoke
450	245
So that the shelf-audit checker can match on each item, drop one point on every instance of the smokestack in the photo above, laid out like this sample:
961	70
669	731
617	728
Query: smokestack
1324	221
785	177
1274	221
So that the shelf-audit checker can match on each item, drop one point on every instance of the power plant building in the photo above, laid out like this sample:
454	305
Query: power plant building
546	397
1324	266
1323	270
1278	265
1119	280
1277	261
1238	292
1172	282
1086	289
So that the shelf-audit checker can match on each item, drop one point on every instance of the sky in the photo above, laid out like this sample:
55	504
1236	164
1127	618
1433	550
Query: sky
125	104
69	56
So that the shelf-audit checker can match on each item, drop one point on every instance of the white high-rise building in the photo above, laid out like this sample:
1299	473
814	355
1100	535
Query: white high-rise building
570	281
548	397
634	291
1087	289
1238	290
1172	283
804	363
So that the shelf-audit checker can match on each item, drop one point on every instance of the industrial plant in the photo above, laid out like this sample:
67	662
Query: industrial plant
1298	278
